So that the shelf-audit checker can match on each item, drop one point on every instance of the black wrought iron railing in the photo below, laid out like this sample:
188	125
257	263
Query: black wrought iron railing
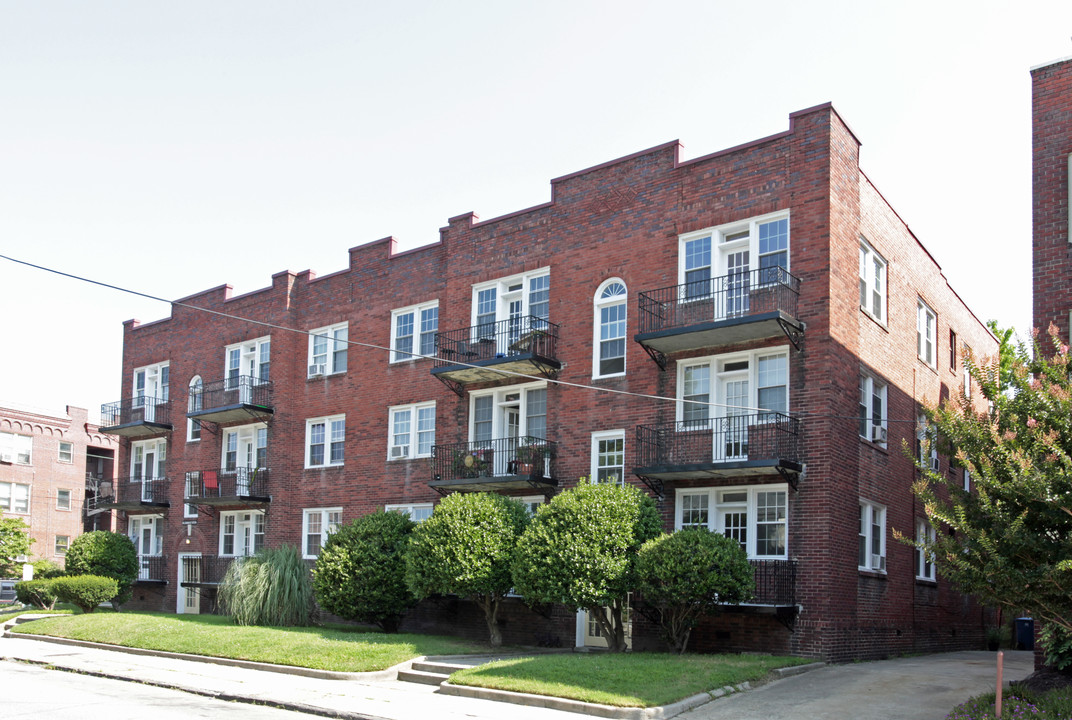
205	569
736	438
504	339
776	582
152	568
526	456
141	409
131	491
738	295
237	390
239	482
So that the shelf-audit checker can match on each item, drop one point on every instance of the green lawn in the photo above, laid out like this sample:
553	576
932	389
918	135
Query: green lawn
334	647
61	609
624	680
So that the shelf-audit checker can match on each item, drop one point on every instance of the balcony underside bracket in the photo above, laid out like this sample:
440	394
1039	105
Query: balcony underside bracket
655	485
795	333
454	385
658	357
547	371
442	491
787	616
793	478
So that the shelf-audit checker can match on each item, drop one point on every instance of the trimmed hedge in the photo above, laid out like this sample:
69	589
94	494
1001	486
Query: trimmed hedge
38	593
108	554
85	591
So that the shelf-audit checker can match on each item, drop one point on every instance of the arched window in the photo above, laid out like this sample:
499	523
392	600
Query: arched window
193	427
608	344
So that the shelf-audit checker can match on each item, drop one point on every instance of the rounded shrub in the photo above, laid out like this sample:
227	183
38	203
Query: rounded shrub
271	588
360	573
38	593
85	592
107	554
45	569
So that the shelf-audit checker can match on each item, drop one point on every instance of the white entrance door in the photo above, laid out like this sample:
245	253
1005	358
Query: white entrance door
189	598
590	634
731	435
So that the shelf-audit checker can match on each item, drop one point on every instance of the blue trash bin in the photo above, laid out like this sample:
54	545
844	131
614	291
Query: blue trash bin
1025	633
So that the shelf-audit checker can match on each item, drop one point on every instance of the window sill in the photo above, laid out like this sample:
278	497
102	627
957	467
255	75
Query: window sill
325	467
884	449
927	582
325	376
875	574
876	319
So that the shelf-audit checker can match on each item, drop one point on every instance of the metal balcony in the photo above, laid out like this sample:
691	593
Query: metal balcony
152	569
518	463
138	417
222	488
481	353
204	570
776	583
736	446
242	397
720	311
131	494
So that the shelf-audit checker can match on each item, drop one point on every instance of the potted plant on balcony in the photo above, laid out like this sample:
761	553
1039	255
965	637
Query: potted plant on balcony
528	456
465	464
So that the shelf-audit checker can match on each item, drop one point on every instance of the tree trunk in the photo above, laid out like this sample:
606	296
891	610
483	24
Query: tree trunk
490	605
611	627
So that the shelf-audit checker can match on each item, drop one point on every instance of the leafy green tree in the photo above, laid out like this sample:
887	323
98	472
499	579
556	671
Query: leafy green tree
361	572
38	593
86	592
1008	540
691	573
107	554
14	541
580	551
465	548
271	588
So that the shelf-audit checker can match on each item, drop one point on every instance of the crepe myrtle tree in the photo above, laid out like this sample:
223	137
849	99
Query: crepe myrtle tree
580	550
465	548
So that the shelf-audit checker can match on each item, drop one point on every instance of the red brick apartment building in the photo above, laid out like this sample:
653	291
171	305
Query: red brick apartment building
789	317
1051	143
48	466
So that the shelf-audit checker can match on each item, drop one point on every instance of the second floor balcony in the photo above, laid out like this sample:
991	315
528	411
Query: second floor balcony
513	463
152	569
236	398
747	305
222	488
481	353
131	494
137	417
776	582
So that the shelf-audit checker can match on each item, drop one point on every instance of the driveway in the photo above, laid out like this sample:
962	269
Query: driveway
925	687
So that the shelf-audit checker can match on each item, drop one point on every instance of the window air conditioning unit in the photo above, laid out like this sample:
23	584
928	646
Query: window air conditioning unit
878	434
5	457
316	370
936	464
399	451
878	562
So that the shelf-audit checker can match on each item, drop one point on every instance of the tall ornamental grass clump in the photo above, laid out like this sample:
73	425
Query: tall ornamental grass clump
271	588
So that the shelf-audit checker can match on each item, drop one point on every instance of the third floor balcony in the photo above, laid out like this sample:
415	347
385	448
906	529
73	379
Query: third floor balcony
510	463
526	345
236	398
137	417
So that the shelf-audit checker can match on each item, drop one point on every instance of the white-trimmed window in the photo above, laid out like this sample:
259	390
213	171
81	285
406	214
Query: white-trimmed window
506	412
317	523
718	262
532	503
417	512
608	344
872	282
328	349
148	460
872	537
15	498
755	516
245	449
735	385
926	445
63	499
413	330
926	333
66	452
412	432
967	374
151	384
147	534
324	440
608	456
512	300
873	409
966	479
251	358
195	402
62	543
241	532
192	490
16	448
924	559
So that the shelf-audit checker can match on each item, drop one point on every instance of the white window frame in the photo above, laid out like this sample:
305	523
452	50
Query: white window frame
69	452
731	234
195	402
873	273
713	494
419	333
870	387
156	376
328	440
502	288
327	526
716	363
336	335
927	446
16	448
59	550
498	429
925	569
158	446
411	449
597	456
532	503
600	303
872	515
966	479
417	512
235	514
135	525
191	479
248	349
59	493
10	496
926	333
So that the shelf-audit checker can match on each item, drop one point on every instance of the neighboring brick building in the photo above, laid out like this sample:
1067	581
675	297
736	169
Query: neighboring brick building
48	464
1051	166
769	284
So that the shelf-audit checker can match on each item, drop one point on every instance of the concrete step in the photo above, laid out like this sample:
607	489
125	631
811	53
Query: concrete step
424	678
439	668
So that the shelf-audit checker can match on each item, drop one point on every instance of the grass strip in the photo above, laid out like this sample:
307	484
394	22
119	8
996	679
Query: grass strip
336	647
623	680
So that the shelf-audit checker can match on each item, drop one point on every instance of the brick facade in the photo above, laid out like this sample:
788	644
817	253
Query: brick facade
624	219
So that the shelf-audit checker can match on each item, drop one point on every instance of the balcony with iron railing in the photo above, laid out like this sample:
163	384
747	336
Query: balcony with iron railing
242	397
481	353
766	443
718	311
137	417
152	569
222	488
516	463
131	494
204	570
776	583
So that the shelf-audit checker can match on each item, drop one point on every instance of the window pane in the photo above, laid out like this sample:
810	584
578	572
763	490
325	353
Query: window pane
338	358
694	511
425	430
536	412
539	296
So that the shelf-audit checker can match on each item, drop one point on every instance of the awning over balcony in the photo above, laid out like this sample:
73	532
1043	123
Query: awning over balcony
232	399
503	464
481	353
139	417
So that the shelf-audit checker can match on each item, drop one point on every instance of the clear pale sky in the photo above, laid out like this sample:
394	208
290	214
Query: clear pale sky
173	147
